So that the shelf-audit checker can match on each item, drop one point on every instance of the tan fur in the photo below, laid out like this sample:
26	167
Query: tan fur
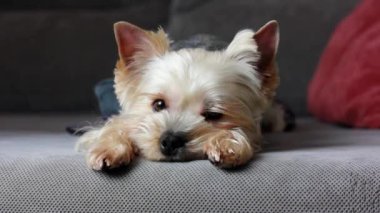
227	151
110	145
270	80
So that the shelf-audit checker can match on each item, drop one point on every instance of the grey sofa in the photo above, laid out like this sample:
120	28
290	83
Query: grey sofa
316	168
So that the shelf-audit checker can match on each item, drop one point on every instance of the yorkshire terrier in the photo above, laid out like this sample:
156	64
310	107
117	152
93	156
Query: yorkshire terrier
188	104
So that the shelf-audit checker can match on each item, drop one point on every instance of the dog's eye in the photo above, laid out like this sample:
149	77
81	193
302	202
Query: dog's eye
158	105
212	116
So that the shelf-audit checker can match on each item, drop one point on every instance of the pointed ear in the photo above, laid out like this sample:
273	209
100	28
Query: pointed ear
135	43
259	49
127	37
267	38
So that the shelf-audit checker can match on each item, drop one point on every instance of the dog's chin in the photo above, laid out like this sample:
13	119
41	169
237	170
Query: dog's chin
184	155
181	155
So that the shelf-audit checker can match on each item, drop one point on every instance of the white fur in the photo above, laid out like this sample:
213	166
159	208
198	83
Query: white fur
189	78
243	47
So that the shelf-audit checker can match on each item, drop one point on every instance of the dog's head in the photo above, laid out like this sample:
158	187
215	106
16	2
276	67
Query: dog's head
180	100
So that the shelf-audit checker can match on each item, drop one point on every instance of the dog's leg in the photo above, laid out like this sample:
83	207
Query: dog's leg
229	148
108	146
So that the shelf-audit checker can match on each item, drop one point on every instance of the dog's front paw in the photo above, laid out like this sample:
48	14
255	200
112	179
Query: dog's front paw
109	156
226	152
223	154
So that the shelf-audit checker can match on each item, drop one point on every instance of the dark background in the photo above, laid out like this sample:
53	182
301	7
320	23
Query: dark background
52	53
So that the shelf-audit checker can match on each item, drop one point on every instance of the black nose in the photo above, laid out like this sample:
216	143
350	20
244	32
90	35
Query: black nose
171	141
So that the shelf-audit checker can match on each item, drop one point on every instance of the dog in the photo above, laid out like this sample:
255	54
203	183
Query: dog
190	103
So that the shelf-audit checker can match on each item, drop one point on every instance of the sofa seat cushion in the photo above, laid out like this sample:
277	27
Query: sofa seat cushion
316	168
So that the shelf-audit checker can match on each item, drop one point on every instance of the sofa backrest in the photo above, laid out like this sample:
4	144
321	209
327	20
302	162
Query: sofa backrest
305	27
52	53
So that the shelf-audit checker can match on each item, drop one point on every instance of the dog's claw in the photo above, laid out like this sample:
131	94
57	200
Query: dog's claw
105	165
214	157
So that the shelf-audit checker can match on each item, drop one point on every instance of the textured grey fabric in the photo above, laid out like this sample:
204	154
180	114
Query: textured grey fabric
317	168
305	27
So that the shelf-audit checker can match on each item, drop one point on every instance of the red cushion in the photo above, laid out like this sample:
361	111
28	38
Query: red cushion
346	86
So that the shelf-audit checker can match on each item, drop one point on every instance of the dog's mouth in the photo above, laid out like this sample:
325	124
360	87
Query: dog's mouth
177	155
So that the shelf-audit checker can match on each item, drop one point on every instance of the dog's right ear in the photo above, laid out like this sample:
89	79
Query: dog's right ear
136	44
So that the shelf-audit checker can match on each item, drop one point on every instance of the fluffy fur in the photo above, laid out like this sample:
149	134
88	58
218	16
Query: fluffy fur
238	83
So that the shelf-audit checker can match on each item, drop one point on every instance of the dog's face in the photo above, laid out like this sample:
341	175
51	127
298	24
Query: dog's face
178	101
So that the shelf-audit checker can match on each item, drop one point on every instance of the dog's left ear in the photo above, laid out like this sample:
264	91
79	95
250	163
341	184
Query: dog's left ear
267	38
259	49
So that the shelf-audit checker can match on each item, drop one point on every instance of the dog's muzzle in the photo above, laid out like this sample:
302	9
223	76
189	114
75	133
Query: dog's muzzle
171	141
